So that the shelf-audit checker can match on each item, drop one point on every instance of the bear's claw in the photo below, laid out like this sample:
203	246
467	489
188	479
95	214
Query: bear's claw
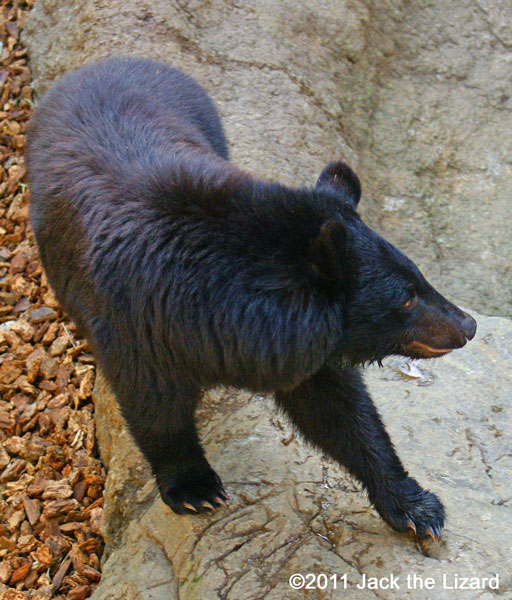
197	490
409	507
411	526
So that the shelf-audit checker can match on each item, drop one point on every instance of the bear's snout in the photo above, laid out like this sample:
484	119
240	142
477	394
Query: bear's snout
459	326
467	326
439	328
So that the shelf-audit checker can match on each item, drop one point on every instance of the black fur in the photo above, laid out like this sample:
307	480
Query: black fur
185	273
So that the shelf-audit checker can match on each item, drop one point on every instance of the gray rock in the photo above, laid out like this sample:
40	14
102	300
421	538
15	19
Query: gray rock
415	95
290	511
38	315
436	154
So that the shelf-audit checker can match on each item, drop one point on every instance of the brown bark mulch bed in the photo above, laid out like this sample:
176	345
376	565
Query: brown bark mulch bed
51	479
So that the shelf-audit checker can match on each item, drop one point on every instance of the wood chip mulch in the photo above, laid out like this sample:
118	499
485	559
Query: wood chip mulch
51	479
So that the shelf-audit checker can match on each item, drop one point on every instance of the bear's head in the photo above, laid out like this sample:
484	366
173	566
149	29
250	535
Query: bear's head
389	306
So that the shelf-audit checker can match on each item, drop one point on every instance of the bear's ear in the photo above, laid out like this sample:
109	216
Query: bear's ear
327	252
339	177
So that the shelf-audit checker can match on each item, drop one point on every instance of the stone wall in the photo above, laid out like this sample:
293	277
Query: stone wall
415	95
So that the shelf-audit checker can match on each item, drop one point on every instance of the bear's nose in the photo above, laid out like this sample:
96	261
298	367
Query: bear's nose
468	326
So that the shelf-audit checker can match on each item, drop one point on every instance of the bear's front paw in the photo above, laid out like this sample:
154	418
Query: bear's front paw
198	489
410	507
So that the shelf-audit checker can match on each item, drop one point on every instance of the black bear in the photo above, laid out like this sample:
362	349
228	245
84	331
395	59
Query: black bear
186	272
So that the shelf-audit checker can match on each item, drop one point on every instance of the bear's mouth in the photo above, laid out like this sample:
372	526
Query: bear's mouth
421	350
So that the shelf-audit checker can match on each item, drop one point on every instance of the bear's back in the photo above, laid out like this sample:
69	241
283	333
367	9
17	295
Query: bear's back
113	117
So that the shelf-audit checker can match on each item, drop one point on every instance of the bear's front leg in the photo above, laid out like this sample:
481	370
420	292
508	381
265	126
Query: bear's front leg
335	413
161	420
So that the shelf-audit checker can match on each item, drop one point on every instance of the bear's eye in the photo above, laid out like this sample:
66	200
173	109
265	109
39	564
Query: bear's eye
410	303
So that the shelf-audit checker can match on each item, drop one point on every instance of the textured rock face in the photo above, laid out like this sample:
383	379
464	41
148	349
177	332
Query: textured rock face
436	152
415	95
292	512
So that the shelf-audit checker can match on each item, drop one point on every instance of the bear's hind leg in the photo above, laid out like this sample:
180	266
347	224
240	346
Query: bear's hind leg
335	413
